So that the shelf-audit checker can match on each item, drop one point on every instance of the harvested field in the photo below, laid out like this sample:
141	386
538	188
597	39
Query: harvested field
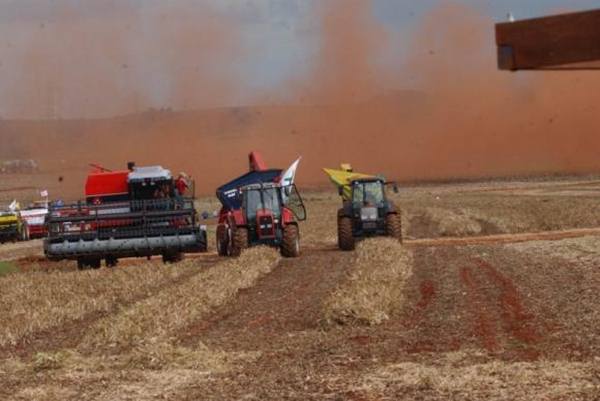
33	302
494	295
160	317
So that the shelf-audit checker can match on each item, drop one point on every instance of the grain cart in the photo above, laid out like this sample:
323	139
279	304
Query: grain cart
366	210
258	209
129	213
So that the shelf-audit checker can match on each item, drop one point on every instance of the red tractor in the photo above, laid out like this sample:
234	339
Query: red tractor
130	213
257	209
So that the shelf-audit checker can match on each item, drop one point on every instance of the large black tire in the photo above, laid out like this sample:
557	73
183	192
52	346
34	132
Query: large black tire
222	240
290	245
393	226
172	257
239	241
111	261
88	263
25	232
346	240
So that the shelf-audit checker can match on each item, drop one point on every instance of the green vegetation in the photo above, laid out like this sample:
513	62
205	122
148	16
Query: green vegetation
7	267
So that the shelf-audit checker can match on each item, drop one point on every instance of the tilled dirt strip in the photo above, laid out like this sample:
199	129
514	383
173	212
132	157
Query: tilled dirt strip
288	299
461	300
504	238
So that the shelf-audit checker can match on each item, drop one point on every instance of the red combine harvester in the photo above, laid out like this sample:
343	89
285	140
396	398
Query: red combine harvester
137	212
259	209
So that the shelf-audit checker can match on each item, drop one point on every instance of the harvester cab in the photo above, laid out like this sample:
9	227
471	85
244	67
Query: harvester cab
366	208
259	210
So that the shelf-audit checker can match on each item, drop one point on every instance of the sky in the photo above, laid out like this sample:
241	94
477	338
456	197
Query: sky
100	58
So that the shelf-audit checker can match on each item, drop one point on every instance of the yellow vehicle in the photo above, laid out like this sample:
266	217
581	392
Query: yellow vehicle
366	209
12	227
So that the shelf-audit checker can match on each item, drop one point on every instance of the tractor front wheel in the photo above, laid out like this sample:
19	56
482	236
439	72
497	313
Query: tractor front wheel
290	246
222	240
393	226
346	240
239	241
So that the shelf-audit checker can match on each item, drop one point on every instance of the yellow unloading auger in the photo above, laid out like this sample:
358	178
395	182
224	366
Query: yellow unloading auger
366	210
343	179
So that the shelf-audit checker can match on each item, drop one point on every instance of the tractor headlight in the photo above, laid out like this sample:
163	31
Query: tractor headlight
368	214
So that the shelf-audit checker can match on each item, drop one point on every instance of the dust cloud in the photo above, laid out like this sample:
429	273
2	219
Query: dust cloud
460	117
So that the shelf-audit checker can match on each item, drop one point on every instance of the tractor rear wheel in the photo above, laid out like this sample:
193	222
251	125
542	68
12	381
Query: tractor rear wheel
346	240
222	240
393	226
290	246
239	241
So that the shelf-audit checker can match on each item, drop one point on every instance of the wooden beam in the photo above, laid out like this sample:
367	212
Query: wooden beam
549	42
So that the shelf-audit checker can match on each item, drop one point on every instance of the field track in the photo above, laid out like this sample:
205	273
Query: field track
504	238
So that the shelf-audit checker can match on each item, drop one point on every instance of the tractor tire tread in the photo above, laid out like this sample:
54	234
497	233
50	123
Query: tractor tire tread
393	226
290	245
346	240
239	241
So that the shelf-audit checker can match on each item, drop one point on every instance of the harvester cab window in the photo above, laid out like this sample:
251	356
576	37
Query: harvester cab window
151	190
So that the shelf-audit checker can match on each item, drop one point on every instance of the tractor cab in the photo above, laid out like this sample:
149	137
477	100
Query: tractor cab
369	205
368	193
266	205
262	206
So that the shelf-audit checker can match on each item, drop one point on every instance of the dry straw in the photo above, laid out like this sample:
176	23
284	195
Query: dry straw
36	301
158	318
375	284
